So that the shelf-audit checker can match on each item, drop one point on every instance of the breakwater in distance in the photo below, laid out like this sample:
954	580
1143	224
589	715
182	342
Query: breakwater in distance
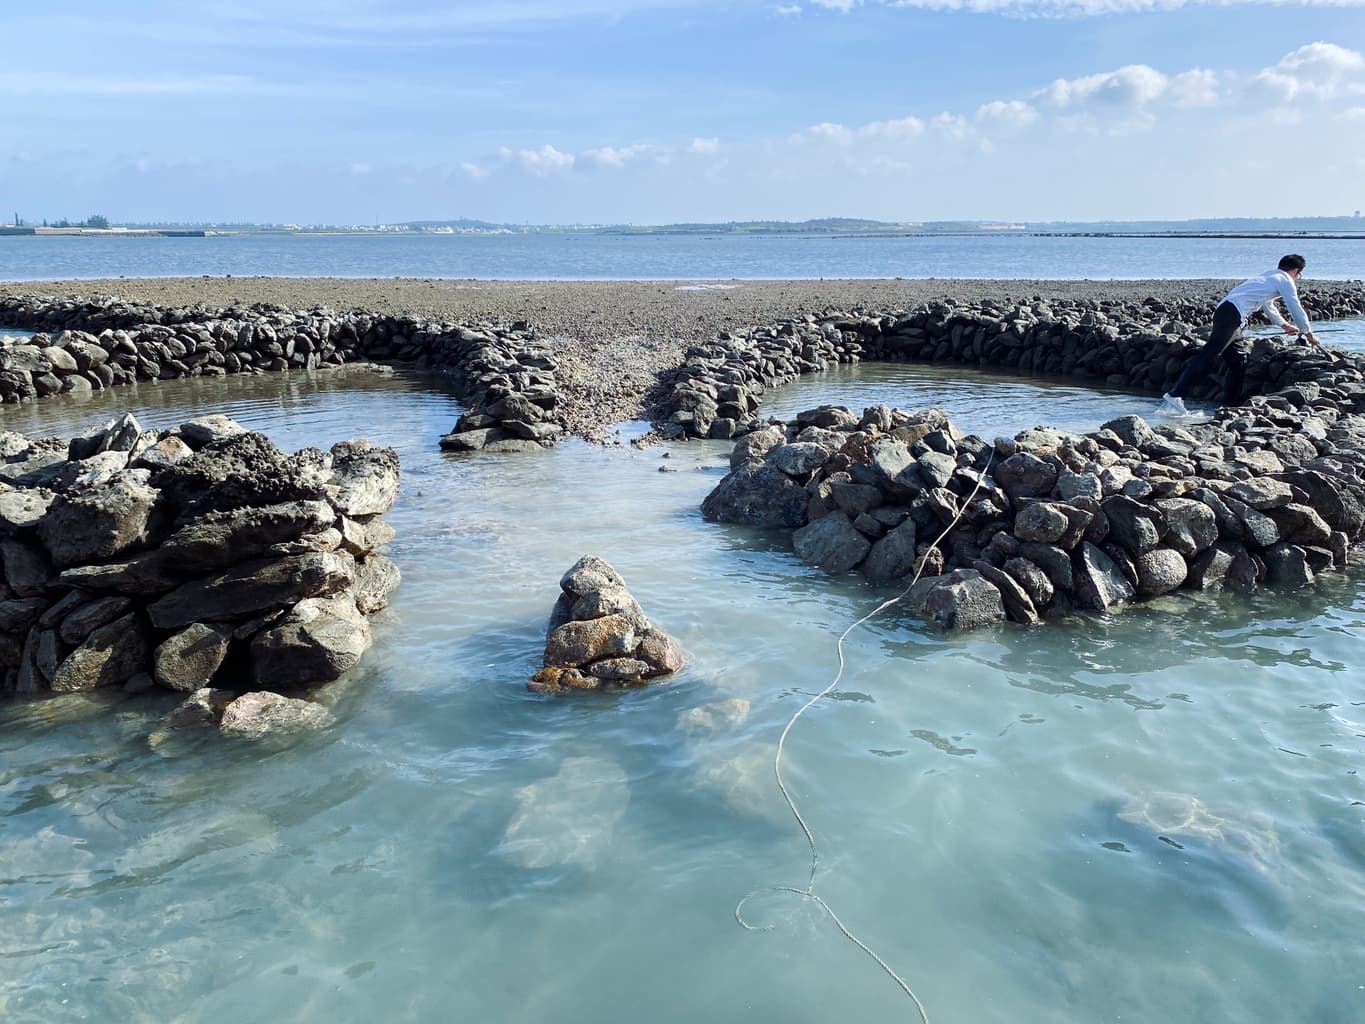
1267	492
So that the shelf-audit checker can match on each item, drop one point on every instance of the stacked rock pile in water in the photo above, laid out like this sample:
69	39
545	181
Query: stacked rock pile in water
1131	345
1273	492
501	373
599	635
196	557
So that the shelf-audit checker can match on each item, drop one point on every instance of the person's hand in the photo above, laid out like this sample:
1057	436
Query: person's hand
1290	330
1313	339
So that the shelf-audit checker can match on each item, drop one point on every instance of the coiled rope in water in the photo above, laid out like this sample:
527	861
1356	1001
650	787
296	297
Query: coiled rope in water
809	893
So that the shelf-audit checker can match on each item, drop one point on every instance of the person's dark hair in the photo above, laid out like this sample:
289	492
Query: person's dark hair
1292	262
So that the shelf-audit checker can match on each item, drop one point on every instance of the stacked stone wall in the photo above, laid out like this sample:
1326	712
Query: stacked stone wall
191	558
1134	346
502	374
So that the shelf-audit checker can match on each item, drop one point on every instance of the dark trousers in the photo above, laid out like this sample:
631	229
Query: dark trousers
1226	321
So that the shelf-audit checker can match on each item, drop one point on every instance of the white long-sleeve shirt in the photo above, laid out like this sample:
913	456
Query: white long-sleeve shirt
1260	293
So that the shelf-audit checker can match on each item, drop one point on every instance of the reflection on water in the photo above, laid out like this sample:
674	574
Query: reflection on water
460	847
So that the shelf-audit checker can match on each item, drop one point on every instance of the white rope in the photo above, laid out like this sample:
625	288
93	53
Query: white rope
808	893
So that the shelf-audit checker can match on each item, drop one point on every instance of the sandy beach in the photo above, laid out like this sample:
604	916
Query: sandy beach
612	338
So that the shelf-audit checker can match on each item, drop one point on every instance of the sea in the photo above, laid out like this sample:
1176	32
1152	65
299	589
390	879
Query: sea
550	256
1151	815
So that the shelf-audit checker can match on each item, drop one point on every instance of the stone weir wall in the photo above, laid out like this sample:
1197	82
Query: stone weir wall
196	557
1138	346
502	374
1273	492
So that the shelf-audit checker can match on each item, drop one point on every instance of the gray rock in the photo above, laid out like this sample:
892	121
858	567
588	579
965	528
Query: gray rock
894	464
1211	567
108	657
963	600
856	499
84	620
611	600
188	660
260	716
893	556
1261	493
1258	529
254	587
576	644
588	575
661	653
20	511
27	569
1191	525
1026	476
755	445
219	539
1099	583
1160	571
799	459
1079	485
1018	605
319	639
1034	581
1054	562
204	430
169	451
1041	523
1301	525
1286	565
757	494
1135	526
364	478
376	578
1132	430
832	543
102	522
936	468
201	709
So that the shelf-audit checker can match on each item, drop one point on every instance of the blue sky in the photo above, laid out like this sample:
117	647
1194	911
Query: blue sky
647	111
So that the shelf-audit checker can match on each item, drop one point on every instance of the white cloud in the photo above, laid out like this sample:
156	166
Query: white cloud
705	146
901	128
842	6
825	131
953	126
1319	70
1009	115
545	161
474	170
789	10
1131	86
617	157
1196	88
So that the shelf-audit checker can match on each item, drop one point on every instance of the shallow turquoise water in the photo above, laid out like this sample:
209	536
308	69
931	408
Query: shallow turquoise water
459	848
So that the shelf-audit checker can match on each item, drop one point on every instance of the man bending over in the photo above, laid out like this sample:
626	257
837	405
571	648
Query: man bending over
1232	313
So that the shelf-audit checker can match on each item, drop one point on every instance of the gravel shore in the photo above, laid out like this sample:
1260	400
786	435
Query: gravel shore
611	338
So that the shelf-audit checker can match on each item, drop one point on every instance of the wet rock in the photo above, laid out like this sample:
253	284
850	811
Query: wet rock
253	587
1136	526
219	539
893	555
1211	567
259	716
832	543
376	578
1032	579
318	640
1018	605
1160	571
963	600
799	459
107	657
757	494
599	634
79	623
188	660
1099	583
1191	525
1287	565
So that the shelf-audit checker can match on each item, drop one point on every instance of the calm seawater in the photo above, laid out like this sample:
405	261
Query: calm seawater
1155	816
665	257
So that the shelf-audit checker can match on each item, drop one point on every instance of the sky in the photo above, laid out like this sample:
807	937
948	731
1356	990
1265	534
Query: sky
661	111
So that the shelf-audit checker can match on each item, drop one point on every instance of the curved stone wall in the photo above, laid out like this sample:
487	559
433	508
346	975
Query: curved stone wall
502	374
1136	346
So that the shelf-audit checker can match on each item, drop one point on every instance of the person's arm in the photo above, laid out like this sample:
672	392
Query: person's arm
1273	315
1290	294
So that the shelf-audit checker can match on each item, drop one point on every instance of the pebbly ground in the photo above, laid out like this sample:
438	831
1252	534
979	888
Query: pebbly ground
612	338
